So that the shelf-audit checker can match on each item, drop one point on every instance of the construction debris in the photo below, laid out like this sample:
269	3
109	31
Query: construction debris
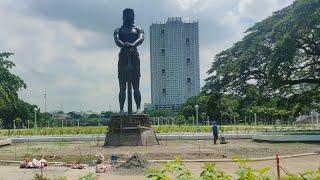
133	160
100	158
33	164
78	166
101	168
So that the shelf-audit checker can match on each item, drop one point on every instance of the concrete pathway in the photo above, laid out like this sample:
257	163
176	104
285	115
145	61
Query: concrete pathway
101	137
291	165
258	136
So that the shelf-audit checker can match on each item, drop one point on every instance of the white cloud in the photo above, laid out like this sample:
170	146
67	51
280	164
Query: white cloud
194	5
75	61
49	58
258	10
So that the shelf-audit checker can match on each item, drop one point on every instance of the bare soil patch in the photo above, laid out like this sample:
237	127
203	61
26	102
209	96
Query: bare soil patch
186	149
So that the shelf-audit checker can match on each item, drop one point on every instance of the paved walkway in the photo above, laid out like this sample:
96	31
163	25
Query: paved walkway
160	136
258	136
292	165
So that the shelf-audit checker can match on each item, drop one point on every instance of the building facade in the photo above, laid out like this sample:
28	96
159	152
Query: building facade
174	55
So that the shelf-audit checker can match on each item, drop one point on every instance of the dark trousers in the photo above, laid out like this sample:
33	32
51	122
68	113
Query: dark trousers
215	138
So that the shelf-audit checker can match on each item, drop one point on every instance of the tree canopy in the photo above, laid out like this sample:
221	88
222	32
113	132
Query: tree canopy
274	71
279	55
11	106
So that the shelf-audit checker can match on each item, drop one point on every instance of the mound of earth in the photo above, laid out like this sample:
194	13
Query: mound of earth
134	161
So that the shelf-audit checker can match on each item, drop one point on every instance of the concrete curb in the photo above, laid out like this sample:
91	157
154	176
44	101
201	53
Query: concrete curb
286	138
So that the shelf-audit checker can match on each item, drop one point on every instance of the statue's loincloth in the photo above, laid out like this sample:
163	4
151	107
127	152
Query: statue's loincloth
124	57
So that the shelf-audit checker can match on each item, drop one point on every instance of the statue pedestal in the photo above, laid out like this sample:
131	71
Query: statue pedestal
133	130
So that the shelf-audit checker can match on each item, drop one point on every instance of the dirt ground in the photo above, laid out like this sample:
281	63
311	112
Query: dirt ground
186	149
292	165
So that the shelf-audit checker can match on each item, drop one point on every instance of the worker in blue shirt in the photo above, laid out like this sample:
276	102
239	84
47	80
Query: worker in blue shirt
215	131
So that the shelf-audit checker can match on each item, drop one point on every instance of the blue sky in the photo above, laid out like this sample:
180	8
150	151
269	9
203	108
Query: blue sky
66	48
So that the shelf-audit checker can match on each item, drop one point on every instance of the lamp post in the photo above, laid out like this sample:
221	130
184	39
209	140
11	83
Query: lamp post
197	116
35	117
45	109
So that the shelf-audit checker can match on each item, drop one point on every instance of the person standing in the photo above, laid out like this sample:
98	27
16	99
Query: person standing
215	131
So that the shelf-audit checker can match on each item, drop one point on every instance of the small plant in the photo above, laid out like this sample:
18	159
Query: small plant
179	170
60	178
209	172
303	176
247	173
38	176
175	168
156	173
88	176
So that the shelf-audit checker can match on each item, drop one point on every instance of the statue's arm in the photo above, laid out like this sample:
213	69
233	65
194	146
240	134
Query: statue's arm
117	38
140	37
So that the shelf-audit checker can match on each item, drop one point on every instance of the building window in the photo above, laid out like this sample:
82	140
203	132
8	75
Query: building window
188	80
164	90
187	41
188	60
162	31
163	71
163	51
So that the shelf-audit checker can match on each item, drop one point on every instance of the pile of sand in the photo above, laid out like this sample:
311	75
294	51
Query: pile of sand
134	161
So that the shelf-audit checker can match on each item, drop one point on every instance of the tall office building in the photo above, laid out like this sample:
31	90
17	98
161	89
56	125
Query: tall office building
174	54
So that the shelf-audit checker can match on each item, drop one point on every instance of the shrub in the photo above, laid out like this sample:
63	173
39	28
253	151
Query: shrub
209	172
88	176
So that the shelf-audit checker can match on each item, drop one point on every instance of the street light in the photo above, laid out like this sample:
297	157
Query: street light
45	109
35	117
197	116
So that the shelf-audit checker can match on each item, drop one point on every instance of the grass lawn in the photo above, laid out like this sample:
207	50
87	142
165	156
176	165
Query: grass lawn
158	129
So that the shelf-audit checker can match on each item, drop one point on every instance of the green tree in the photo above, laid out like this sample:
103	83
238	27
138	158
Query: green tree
275	66
188	108
10	84
159	112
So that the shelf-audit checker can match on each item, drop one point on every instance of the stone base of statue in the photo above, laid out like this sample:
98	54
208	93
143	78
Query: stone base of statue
130	130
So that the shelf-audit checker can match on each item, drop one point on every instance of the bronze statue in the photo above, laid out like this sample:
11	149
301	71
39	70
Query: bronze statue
128	37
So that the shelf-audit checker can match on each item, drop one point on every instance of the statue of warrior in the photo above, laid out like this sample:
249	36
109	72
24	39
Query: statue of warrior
128	37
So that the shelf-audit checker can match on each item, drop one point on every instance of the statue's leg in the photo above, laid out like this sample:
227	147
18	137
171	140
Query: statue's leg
122	80
136	80
122	94
137	94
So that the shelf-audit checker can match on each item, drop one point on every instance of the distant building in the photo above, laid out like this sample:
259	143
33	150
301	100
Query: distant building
174	56
312	118
62	116
75	115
